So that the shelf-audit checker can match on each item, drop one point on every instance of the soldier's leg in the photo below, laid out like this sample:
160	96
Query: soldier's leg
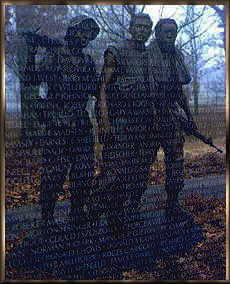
104	185
145	153
52	180
174	162
116	159
129	166
81	175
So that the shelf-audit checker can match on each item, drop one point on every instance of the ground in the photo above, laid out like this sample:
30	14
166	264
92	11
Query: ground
207	261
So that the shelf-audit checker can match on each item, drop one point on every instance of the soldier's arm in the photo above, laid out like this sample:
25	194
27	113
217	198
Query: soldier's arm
35	74
183	103
92	77
30	76
182	99
107	73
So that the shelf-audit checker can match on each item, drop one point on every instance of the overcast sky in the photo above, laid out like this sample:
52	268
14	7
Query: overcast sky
176	12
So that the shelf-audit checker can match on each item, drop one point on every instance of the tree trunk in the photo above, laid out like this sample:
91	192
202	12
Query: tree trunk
26	93
196	95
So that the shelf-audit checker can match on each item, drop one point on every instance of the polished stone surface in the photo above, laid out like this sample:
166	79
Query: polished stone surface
90	251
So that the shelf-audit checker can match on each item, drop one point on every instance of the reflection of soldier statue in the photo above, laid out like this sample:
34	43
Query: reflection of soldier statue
167	73
71	78
125	123
136	83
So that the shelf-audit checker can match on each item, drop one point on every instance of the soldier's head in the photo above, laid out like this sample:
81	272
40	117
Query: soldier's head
166	31
140	27
81	31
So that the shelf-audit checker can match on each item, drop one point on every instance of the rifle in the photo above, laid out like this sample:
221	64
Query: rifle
34	39
188	129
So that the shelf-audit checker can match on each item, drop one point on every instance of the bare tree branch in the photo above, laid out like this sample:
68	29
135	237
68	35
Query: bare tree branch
161	10
194	37
105	23
143	8
130	10
192	21
118	20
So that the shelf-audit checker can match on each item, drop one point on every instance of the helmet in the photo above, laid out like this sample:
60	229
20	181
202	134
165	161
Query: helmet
86	23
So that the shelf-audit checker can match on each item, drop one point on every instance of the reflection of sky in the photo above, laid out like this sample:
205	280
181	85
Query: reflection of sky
177	12
208	22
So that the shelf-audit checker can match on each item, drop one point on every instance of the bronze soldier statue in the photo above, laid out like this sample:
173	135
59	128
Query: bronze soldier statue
125	115
68	141
167	74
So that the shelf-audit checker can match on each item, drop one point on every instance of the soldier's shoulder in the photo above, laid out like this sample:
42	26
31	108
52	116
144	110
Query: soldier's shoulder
54	53
61	50
116	49
153	48
120	44
152	44
50	58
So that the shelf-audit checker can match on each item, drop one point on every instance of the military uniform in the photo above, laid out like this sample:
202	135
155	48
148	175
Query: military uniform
129	150
167	73
68	139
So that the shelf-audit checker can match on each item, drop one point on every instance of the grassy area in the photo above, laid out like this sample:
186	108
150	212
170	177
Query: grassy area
210	121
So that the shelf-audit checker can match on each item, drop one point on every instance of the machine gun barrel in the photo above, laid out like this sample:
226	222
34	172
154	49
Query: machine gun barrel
34	39
185	126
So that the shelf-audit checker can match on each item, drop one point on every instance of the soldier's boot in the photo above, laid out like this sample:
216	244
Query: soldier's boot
172	202
116	226
47	202
174	185
174	211
96	202
115	217
128	213
77	214
48	220
77	217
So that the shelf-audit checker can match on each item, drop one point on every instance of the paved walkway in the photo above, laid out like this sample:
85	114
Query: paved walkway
207	187
91	251
23	218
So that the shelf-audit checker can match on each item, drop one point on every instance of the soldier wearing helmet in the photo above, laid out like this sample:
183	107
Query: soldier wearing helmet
68	142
